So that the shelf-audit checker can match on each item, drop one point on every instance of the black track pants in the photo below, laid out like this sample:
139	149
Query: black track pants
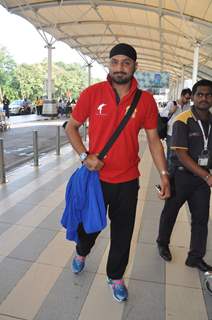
121	200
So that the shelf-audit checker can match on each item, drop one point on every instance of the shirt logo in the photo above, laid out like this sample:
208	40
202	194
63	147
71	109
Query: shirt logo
100	109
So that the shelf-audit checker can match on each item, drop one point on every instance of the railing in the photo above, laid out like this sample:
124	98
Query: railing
2	166
35	152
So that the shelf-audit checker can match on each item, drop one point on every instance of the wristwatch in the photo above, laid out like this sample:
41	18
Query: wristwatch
164	173
207	177
83	156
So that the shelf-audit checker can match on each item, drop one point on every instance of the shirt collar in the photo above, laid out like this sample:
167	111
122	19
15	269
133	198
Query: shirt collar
196	116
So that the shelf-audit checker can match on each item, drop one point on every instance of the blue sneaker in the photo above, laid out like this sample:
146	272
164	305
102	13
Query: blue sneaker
120	292
78	264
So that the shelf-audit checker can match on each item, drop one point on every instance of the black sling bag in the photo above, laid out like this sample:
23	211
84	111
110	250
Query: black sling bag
121	125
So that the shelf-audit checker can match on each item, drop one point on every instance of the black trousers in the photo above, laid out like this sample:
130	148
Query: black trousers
7	112
121	201
194	190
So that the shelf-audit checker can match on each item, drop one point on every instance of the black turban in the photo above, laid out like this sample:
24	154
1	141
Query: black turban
124	49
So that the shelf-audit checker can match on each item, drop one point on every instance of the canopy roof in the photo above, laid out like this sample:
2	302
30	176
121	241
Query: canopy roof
163	32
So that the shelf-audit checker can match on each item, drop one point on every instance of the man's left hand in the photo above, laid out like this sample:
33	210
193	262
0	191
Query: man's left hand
165	192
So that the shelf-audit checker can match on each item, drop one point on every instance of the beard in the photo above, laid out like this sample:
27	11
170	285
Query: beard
121	78
203	106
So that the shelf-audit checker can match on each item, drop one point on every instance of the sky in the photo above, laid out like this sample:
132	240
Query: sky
25	45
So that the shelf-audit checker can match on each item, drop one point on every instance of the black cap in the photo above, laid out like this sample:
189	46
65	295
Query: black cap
124	49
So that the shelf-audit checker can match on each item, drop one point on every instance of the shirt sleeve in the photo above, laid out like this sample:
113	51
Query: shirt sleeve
179	136
81	110
151	113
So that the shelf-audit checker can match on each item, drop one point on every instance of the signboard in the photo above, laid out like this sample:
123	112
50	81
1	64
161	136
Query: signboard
152	81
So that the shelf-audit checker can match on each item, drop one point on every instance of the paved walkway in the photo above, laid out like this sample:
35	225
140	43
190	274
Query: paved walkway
35	278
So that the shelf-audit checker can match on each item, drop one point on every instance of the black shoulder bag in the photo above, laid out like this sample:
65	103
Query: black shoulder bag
121	126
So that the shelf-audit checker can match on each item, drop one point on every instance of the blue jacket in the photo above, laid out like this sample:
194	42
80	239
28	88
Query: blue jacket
84	204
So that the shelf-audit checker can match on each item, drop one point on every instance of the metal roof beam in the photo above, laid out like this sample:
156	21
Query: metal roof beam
110	22
95	35
114	3
143	60
144	48
188	68
154	58
160	33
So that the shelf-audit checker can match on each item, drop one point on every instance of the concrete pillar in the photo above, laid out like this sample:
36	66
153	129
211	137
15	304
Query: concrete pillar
195	63
89	65
49	86
171	91
181	81
177	88
89	74
49	107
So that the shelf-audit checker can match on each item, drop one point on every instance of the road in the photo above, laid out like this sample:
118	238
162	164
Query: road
18	140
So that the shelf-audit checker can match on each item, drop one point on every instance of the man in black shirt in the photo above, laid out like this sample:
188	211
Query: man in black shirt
192	143
6	103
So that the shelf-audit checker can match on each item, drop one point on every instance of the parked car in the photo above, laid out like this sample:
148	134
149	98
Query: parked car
21	107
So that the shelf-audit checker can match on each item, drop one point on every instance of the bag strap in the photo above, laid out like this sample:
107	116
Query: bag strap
121	126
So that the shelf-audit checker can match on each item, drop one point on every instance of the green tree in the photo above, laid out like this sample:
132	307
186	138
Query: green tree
30	79
27	80
7	77
69	77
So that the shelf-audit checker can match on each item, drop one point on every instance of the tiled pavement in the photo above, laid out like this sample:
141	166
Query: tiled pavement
35	278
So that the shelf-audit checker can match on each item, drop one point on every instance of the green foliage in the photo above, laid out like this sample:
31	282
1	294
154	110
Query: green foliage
69	77
30	80
27	80
7	68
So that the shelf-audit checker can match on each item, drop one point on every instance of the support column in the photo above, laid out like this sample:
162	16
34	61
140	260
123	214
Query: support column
182	81
195	63
171	90
89	65
49	47
176	88
49	107
89	74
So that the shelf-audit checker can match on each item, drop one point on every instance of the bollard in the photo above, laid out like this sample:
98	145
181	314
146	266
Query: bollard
58	141
35	147
2	167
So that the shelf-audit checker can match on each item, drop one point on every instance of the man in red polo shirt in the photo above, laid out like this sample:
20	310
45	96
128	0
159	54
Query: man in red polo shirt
105	104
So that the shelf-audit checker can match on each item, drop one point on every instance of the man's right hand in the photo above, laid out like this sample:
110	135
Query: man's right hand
209	180
93	163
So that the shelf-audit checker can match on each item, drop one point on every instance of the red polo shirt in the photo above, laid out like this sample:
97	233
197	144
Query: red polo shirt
98	104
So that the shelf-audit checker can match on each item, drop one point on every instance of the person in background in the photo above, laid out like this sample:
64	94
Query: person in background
192	143
68	108
61	107
26	107
6	103
37	102
40	106
105	104
172	109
